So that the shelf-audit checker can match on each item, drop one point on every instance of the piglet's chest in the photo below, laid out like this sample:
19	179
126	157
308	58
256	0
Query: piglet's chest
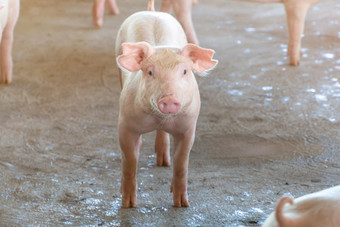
173	124
144	122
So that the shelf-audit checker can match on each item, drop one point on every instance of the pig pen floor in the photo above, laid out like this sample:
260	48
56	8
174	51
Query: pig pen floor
265	130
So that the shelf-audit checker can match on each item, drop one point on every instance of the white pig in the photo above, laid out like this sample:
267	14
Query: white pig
320	209
296	11
9	14
159	92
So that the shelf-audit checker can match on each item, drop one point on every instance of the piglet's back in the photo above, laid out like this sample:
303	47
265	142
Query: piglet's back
156	28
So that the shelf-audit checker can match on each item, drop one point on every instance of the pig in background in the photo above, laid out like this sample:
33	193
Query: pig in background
98	9
320	209
159	92
296	11
9	13
182	10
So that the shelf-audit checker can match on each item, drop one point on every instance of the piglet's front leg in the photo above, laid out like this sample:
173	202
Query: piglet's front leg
130	144
182	146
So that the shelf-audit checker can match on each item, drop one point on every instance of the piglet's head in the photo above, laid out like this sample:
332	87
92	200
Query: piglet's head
167	83
135	53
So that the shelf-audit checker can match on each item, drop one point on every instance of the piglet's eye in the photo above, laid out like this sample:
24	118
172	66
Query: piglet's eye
150	73
184	72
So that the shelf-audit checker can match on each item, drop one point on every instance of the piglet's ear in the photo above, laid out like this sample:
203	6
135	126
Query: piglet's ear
201	57
133	55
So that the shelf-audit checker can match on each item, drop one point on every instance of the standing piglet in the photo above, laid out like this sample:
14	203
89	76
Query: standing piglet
9	13
319	209
159	92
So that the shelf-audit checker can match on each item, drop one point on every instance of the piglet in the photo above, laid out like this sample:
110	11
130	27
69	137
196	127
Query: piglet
98	10
320	209
9	13
159	92
296	11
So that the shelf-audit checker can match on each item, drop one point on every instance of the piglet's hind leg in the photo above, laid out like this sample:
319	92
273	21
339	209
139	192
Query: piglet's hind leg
113	7
7	42
296	13
98	12
162	148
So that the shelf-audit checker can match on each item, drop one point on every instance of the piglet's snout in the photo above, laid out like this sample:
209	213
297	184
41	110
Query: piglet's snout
169	105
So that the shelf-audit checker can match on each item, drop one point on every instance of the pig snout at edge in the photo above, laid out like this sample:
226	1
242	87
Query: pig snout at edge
157	65
319	209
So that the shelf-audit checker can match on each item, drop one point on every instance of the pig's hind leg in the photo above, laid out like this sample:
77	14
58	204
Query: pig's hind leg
98	12
166	6
130	144
7	43
296	13
113	7
162	148
182	9
99	8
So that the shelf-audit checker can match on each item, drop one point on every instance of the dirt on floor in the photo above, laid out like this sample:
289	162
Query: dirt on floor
265	130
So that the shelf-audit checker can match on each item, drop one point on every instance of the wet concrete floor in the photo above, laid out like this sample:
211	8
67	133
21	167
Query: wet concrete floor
265	130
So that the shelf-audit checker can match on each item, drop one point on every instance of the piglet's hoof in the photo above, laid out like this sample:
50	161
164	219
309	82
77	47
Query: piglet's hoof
180	197
98	23
6	80
129	200
181	200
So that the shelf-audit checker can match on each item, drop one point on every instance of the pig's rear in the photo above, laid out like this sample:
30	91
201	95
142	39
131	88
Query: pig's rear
156	28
